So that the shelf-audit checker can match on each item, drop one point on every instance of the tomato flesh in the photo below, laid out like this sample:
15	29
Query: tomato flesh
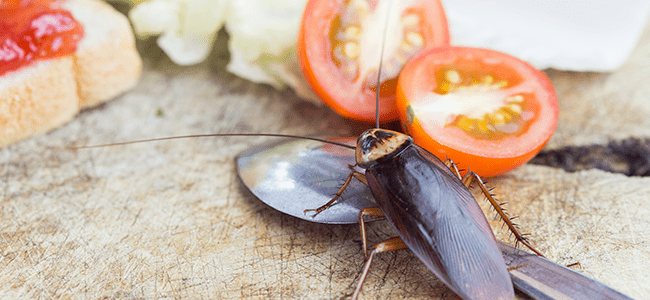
483	109
32	30
339	49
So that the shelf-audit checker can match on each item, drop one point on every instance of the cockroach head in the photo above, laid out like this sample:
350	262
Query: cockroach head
378	144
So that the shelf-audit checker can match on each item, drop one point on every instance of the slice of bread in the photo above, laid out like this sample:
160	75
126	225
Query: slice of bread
46	94
106	62
36	99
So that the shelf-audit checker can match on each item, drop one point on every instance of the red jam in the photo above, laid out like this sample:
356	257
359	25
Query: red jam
32	30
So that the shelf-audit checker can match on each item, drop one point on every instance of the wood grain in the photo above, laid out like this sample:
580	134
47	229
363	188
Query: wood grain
171	219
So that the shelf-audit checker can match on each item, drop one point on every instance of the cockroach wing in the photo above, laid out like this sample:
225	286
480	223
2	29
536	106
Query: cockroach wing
439	220
467	202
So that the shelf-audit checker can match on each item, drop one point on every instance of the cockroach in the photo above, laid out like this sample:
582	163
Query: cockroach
434	213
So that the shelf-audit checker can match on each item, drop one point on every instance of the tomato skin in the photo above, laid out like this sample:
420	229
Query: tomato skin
343	96
484	157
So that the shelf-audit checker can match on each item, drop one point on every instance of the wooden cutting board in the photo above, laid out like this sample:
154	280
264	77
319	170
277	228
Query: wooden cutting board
171	219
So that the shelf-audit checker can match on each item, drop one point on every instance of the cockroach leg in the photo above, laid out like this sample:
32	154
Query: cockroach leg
467	181
369	212
517	267
391	244
452	166
345	185
360	177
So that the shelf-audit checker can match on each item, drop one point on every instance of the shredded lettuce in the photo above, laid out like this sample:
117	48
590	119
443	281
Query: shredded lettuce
187	28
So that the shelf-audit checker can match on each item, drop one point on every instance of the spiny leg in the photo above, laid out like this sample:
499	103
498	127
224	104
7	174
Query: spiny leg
369	212
359	176
388	245
345	185
452	166
467	181
517	267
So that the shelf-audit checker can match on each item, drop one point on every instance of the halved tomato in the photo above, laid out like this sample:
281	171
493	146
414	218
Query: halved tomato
484	109
339	47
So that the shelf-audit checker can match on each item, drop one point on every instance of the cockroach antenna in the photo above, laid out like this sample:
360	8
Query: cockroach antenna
213	135
381	60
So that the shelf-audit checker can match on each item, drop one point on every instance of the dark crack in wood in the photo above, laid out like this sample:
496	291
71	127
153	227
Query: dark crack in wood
630	157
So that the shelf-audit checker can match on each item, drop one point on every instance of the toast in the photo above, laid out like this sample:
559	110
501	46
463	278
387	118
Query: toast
45	94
